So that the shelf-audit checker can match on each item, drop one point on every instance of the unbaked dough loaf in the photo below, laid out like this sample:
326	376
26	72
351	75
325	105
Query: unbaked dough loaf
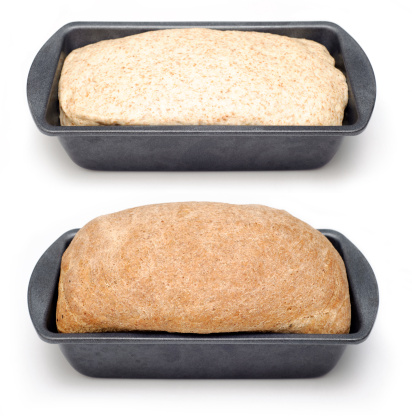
202	267
201	76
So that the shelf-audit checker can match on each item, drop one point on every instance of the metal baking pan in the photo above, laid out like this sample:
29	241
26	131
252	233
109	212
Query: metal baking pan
222	148
230	355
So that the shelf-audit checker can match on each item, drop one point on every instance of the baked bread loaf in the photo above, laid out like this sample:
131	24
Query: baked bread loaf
200	267
200	76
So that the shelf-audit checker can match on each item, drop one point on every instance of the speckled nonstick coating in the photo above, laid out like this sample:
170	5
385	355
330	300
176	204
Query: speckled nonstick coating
183	148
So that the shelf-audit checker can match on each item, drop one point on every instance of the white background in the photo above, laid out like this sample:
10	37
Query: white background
363	193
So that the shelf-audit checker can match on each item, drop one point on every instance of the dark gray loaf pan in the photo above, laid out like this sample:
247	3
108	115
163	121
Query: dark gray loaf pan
222	148
230	355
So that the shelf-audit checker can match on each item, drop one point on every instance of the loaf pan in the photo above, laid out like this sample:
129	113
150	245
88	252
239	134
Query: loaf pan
230	355
143	148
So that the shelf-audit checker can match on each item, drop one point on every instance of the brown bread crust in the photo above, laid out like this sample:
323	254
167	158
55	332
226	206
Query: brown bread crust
200	267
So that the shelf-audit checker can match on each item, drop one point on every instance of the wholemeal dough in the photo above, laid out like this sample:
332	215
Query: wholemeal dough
201	76
200	267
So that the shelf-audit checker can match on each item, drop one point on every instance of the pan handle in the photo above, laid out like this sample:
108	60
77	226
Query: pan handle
361	277
360	75
42	76
43	285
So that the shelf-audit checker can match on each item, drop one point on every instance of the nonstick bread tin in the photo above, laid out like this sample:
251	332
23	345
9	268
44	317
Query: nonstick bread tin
222	148
234	355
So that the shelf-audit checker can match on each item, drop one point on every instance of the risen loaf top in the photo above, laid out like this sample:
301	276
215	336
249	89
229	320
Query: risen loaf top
202	76
202	267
